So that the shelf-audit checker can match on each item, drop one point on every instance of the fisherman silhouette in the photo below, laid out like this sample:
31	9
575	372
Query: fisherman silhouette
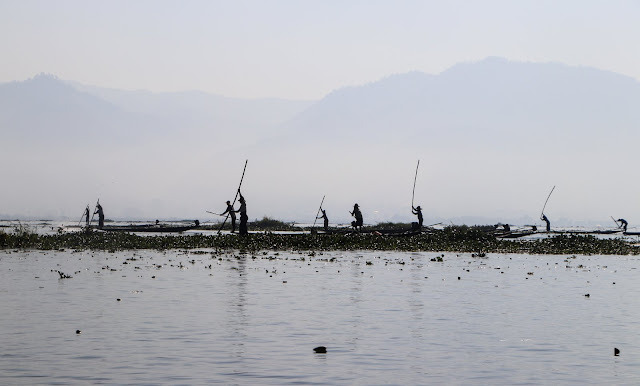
100	213
243	215
358	215
418	212
232	214
623	224
545	219
86	215
326	220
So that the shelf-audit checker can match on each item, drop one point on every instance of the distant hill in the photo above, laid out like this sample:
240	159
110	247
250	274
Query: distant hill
494	102
45	108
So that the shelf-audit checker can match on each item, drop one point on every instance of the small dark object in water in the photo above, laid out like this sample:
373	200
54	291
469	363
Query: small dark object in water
118	299
616	352
323	350
79	332
586	295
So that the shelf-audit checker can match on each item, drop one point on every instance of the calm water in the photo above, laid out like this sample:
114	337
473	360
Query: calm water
386	318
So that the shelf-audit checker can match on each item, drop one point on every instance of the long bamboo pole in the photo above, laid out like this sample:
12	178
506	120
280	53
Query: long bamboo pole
545	203
414	184
320	208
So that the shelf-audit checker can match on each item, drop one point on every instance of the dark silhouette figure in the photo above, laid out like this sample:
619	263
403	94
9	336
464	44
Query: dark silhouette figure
418	212
100	213
86	214
545	219
243	216
505	227
623	224
326	220
358	215
232	214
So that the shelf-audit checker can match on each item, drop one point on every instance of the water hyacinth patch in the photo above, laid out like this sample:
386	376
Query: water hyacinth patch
450	239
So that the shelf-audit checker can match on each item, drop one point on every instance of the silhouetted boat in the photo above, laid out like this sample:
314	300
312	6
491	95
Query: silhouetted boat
157	228
514	234
588	232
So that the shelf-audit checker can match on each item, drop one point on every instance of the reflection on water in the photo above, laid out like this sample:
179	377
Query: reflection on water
386	318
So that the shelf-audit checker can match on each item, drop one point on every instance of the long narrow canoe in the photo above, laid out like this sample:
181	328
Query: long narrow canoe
159	228
588	232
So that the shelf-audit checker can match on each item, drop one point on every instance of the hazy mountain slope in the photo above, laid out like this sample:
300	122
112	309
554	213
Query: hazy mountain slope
46	110
196	110
491	103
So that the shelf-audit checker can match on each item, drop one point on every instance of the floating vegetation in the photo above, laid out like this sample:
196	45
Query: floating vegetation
450	239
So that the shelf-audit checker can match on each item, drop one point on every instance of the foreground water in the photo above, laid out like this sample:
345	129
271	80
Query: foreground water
179	317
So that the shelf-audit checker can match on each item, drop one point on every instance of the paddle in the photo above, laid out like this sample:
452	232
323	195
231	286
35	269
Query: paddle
94	212
614	220
83	213
319	209
414	184
545	203
236	197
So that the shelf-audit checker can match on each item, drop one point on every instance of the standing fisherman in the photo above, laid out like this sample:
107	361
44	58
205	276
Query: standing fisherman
100	213
86	214
545	219
326	220
358	215
418	212
243	215
232	214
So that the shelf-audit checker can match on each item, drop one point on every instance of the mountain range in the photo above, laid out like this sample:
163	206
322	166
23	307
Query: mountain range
493	137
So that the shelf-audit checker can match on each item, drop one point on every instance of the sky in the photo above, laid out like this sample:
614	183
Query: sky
301	49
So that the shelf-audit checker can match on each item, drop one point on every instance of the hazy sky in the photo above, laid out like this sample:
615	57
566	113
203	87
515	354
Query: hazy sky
301	49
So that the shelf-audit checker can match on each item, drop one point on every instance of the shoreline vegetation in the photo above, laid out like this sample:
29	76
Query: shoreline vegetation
463	239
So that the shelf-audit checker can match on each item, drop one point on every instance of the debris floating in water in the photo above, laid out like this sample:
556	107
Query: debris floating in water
323	350
80	332
616	352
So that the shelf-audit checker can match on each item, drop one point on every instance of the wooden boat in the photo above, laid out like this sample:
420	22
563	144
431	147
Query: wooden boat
515	234
156	228
588	232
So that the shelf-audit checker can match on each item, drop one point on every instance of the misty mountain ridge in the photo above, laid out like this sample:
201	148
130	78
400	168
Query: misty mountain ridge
491	102
46	108
493	137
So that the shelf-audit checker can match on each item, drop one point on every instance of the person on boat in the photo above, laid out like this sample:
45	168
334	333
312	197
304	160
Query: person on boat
418	212
326	220
86	214
545	219
505	227
100	213
232	214
358	215
243	215
623	224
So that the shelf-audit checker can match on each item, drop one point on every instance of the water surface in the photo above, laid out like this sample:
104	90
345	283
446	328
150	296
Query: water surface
386	318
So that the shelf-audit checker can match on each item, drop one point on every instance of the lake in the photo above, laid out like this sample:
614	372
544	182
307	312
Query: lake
194	317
